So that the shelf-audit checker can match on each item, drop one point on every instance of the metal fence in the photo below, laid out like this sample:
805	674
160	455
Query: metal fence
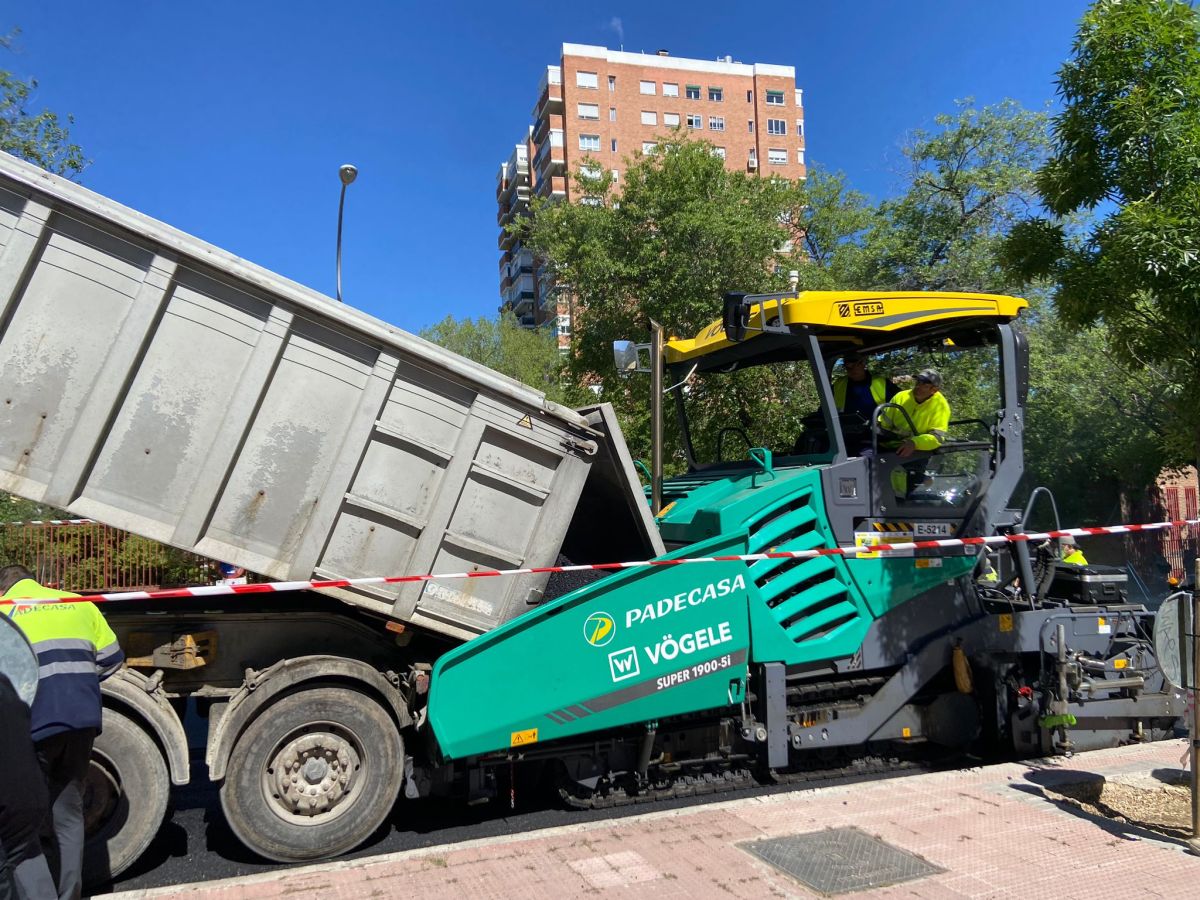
91	557
1179	547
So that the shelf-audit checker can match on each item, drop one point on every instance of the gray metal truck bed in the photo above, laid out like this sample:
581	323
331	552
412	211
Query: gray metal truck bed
156	383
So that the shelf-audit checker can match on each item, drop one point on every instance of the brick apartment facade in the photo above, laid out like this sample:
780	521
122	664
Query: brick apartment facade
601	107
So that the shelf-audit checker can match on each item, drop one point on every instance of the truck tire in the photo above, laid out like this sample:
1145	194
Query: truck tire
314	775
124	798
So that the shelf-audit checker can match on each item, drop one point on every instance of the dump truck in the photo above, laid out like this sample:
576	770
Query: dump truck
158	384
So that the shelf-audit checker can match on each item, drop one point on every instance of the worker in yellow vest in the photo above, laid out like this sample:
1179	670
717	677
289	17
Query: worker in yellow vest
929	411
857	393
1069	552
76	650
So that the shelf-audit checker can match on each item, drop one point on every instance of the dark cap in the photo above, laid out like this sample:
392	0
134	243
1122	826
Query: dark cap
930	376
853	356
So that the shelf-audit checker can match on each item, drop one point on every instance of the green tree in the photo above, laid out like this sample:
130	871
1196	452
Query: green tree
1091	422
41	138
677	232
1127	149
830	222
529	356
968	182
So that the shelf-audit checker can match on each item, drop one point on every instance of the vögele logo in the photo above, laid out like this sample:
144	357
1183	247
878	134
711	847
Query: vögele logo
599	629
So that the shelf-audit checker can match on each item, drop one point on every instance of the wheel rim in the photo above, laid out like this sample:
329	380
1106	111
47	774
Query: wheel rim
315	774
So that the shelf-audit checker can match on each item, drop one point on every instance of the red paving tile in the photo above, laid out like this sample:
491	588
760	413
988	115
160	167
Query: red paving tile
992	829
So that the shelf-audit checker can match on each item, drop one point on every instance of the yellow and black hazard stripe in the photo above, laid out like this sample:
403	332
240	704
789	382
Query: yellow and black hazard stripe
891	526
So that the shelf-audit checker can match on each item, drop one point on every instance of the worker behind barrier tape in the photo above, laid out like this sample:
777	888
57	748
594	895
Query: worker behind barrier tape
857	393
1069	552
76	650
929	411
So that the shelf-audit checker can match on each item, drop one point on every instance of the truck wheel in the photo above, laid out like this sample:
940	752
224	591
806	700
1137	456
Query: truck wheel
124	798
314	775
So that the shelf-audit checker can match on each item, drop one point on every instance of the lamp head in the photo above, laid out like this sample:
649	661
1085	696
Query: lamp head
347	173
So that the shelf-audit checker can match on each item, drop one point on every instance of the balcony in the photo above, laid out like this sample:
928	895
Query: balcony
552	186
549	92
519	286
509	211
552	122
523	305
550	153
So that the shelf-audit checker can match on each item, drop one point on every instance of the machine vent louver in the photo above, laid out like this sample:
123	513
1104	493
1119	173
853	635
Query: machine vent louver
807	597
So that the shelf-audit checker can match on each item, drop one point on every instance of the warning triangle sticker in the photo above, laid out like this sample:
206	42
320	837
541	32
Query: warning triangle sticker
524	422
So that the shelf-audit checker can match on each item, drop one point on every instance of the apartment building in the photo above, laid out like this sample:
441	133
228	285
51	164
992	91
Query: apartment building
601	107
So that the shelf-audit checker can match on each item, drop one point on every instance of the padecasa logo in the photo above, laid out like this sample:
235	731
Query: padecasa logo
599	629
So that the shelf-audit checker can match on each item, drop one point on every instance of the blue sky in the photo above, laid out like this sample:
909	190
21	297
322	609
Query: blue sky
229	120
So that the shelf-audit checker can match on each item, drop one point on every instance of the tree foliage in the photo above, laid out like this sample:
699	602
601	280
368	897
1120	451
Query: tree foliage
529	356
968	181
42	137
677	232
1091	420
1127	148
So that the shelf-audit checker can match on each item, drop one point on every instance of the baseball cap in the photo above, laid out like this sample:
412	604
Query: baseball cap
930	376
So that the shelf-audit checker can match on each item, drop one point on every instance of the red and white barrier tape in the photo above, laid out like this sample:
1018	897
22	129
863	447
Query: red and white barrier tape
51	522
278	586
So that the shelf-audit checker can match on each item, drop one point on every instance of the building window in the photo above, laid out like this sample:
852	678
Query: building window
591	201
799	97
670	90
693	91
590	171
586	80
588	111
750	126
776	126
648	147
716	123
749	96
614	145
800	157
777	157
589	142
649	117
716	95
799	128
648	87
612	83
774	98
616	174
563	325
695	121
671	120
718	151
612	114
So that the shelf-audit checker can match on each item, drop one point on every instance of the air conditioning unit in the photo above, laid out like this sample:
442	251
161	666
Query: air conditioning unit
752	163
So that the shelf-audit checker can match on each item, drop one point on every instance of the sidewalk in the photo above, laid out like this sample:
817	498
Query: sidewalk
993	831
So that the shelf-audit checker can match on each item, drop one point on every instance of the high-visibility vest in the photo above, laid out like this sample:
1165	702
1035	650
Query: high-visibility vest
76	650
1075	558
931	419
879	387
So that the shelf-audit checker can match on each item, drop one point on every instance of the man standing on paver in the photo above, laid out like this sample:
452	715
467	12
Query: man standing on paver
76	650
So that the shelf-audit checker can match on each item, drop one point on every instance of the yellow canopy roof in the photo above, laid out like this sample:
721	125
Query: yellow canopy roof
849	313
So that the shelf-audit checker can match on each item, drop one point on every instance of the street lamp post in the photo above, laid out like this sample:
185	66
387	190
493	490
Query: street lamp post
347	174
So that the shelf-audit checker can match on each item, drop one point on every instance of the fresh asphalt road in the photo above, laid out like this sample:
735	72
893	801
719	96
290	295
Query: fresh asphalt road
196	845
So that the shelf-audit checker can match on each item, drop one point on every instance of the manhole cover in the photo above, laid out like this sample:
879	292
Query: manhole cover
840	860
